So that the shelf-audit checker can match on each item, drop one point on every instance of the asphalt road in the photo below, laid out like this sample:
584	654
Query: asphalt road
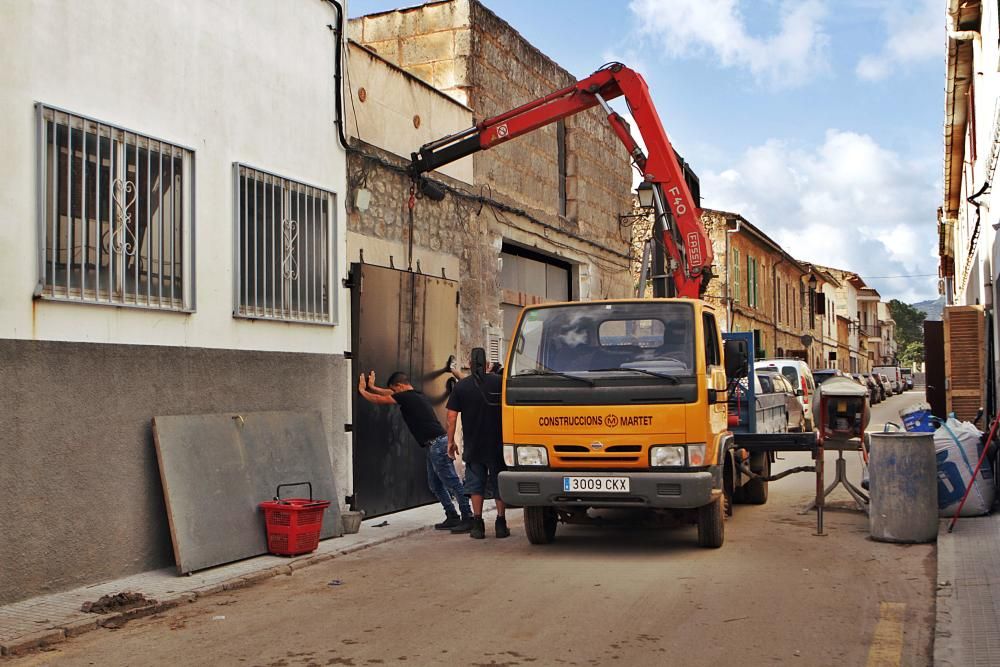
774	594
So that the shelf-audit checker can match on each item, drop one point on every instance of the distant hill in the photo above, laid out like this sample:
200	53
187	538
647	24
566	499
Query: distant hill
934	308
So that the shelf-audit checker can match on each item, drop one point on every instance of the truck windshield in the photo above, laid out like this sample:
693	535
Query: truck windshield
655	339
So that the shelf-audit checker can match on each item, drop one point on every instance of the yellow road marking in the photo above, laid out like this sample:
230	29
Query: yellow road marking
887	644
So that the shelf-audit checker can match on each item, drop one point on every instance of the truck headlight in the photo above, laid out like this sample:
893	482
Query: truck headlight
508	455
532	455
696	455
666	455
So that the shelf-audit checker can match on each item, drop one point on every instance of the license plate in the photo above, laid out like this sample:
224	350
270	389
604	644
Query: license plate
595	484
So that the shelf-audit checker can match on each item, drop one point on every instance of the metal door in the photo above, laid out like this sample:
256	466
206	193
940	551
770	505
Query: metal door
408	322
934	363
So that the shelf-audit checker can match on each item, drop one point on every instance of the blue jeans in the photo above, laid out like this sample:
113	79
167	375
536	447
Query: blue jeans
443	479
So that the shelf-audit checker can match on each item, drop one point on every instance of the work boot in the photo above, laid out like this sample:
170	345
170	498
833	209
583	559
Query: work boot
464	525
450	521
478	531
501	527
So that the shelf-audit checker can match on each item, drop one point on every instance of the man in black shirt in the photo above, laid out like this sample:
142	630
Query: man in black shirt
418	413
477	399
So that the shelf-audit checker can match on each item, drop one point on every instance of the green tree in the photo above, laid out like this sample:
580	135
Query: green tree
912	353
909	325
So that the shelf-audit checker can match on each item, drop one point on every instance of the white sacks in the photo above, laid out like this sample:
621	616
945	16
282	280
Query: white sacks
958	448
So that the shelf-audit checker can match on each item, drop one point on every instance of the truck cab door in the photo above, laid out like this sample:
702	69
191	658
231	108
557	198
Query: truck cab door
715	375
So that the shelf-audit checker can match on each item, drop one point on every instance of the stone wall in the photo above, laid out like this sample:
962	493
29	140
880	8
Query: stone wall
508	71
463	234
467	51
451	229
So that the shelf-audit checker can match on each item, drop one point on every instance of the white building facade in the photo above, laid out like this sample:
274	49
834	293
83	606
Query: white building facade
172	241
968	218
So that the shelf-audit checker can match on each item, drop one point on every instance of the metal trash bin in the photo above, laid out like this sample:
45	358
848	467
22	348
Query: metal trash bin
902	472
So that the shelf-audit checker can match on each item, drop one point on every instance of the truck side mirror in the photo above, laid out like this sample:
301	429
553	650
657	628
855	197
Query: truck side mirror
736	359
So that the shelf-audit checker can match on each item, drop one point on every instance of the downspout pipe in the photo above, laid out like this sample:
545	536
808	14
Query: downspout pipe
730	297
338	70
775	298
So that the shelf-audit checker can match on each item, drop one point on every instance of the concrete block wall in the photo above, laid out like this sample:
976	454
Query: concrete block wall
432	42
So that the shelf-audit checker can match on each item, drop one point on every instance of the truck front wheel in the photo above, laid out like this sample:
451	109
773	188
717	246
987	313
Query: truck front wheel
540	524
712	524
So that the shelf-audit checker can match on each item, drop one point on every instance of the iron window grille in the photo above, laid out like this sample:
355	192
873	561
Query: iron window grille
115	215
284	248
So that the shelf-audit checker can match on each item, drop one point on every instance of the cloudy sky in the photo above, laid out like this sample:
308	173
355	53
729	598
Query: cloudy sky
820	121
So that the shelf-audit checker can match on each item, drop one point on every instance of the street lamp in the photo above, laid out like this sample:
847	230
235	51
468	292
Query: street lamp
645	194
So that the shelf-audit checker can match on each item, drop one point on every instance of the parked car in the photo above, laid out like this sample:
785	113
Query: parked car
875	394
800	377
895	376
907	374
889	391
860	379
773	382
823	375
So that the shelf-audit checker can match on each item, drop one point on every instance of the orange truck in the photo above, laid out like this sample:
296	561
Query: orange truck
622	404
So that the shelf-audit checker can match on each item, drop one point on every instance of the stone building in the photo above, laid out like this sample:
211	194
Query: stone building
846	356
869	329
848	306
819	317
760	287
537	219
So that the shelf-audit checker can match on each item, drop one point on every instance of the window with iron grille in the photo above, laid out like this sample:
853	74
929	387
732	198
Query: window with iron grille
284	248
115	215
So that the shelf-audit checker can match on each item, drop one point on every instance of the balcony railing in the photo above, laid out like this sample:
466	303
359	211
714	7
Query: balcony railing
870	331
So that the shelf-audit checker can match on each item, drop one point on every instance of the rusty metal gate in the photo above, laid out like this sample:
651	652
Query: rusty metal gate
401	321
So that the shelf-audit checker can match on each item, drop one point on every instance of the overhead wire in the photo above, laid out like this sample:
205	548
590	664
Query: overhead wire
911	275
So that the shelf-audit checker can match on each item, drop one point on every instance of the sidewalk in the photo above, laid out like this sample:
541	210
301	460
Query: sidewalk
49	619
968	593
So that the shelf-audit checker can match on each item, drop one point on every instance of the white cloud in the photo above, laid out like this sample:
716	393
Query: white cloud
848	203
915	33
790	56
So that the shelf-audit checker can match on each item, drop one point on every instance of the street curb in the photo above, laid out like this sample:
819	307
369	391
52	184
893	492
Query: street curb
44	638
32	641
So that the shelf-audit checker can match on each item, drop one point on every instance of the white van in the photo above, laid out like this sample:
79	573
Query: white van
894	375
798	373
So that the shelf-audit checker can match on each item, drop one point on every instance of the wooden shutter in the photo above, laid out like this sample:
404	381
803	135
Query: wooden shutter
964	359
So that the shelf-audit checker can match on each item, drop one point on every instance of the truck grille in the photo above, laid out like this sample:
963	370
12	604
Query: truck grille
585	454
668	489
599	459
528	487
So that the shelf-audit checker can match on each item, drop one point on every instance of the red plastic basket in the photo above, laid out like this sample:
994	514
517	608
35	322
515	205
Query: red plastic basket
293	524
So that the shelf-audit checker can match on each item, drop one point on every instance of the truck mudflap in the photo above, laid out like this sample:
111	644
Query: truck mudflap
657	490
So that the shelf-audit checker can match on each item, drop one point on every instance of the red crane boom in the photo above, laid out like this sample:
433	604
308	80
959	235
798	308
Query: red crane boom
687	245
